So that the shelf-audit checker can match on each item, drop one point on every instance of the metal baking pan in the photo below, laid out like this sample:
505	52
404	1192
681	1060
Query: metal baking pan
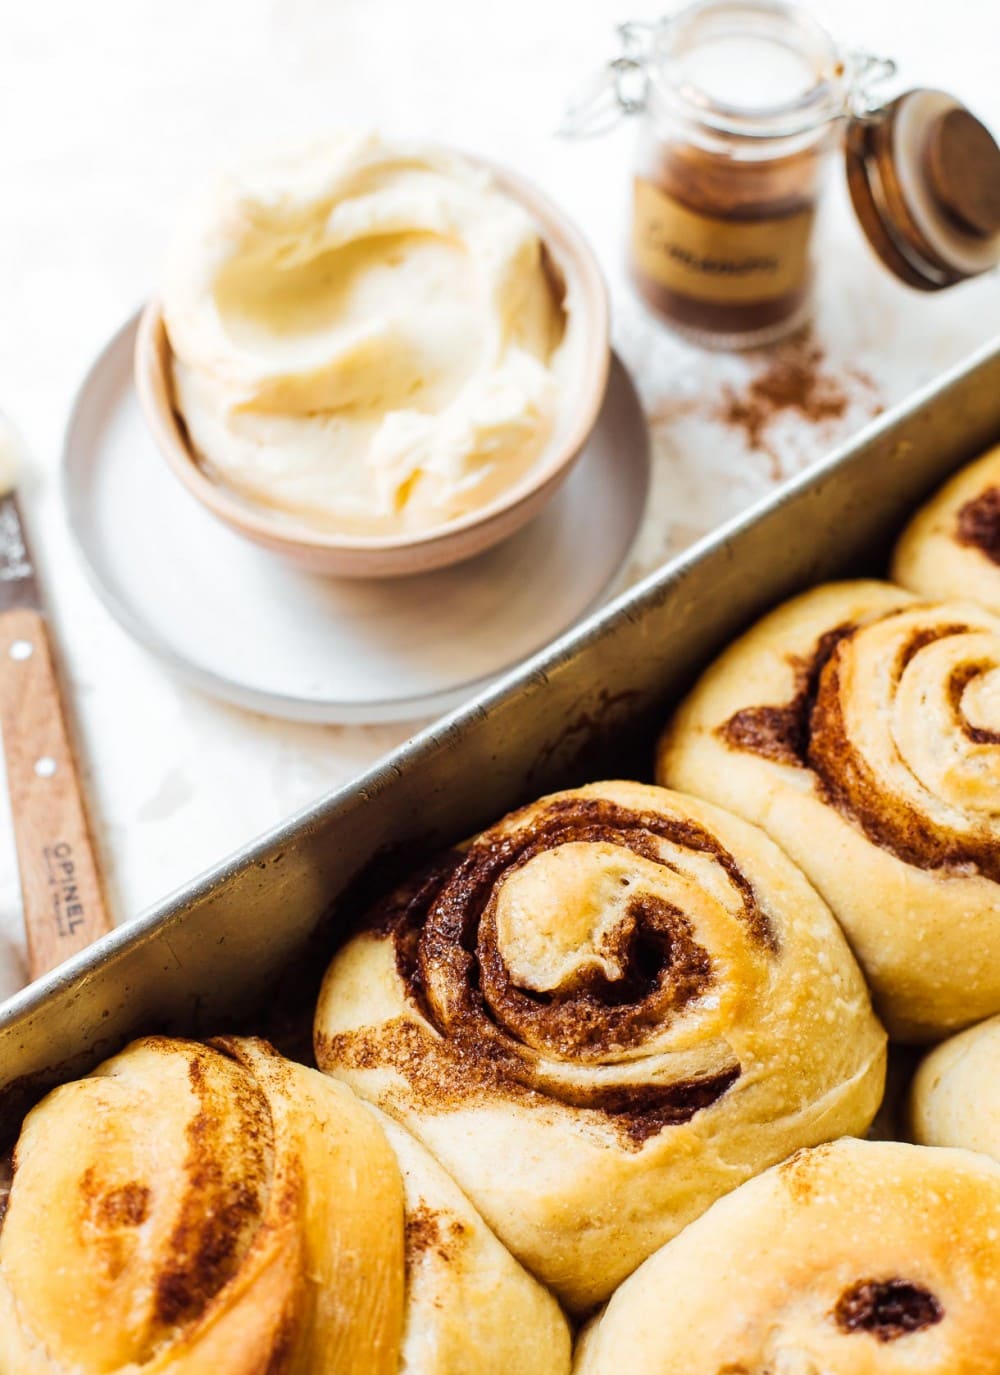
251	935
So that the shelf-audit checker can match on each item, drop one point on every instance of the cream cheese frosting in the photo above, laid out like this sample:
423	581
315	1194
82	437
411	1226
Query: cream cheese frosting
368	336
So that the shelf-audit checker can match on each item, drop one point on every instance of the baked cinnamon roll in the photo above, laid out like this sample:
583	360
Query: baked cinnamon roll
858	1257
192	1208
861	728
951	547
601	1014
955	1095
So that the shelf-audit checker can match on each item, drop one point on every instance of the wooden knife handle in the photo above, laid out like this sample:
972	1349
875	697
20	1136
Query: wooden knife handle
60	880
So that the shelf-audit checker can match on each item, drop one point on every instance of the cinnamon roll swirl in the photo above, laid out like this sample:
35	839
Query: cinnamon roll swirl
955	1095
600	1015
193	1208
861	728
951	547
858	1257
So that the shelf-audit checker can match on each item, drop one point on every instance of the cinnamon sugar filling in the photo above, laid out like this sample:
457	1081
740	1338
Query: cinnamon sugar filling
887	1309
810	732
221	1208
978	523
444	928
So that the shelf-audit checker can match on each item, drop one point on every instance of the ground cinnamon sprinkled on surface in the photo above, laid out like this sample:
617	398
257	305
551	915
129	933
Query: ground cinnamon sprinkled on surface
792	381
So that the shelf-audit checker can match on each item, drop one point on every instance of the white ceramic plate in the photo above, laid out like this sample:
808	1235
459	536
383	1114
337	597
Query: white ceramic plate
239	622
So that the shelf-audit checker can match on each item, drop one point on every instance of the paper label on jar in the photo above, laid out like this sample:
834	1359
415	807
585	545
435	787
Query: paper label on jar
718	260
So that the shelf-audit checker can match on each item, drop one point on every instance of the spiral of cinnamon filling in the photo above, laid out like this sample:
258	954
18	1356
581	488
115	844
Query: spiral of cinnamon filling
562	936
860	727
899	720
600	1014
951	547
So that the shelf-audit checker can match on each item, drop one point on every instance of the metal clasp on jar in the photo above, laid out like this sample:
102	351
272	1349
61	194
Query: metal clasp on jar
865	72
618	89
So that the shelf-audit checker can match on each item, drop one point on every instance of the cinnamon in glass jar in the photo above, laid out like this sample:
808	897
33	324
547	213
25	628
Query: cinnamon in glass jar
738	112
739	104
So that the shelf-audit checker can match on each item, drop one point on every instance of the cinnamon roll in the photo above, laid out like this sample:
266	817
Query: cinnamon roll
951	547
955	1095
215	1208
861	728
601	1014
858	1257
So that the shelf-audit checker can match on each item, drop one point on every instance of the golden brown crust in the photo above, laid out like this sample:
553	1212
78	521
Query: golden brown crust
955	1094
951	547
599	979
861	728
467	994
223	1210
811	731
204	1199
859	1257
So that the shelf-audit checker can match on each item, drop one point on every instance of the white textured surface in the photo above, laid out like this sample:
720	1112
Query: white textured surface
109	110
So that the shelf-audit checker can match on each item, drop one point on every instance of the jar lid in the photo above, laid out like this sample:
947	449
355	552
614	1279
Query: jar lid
924	178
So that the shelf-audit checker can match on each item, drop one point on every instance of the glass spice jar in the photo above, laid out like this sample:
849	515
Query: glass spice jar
740	104
739	115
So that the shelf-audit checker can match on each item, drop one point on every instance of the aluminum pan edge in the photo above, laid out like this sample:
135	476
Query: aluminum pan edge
579	707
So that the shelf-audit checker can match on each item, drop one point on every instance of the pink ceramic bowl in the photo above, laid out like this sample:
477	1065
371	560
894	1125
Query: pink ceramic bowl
381	556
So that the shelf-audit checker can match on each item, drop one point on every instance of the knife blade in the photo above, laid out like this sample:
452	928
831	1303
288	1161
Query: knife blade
64	908
18	581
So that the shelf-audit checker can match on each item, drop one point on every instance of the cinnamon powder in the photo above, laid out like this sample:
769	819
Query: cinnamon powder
691	259
795	379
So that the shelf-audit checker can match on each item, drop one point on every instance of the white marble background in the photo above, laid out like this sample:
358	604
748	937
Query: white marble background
109	110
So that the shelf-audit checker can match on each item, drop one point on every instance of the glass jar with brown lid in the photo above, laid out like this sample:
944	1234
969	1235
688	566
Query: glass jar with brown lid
740	104
739	113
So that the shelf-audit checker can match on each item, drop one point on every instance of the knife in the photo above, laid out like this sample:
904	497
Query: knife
64	907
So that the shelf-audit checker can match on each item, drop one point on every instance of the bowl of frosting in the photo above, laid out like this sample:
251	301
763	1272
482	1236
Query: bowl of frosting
374	358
